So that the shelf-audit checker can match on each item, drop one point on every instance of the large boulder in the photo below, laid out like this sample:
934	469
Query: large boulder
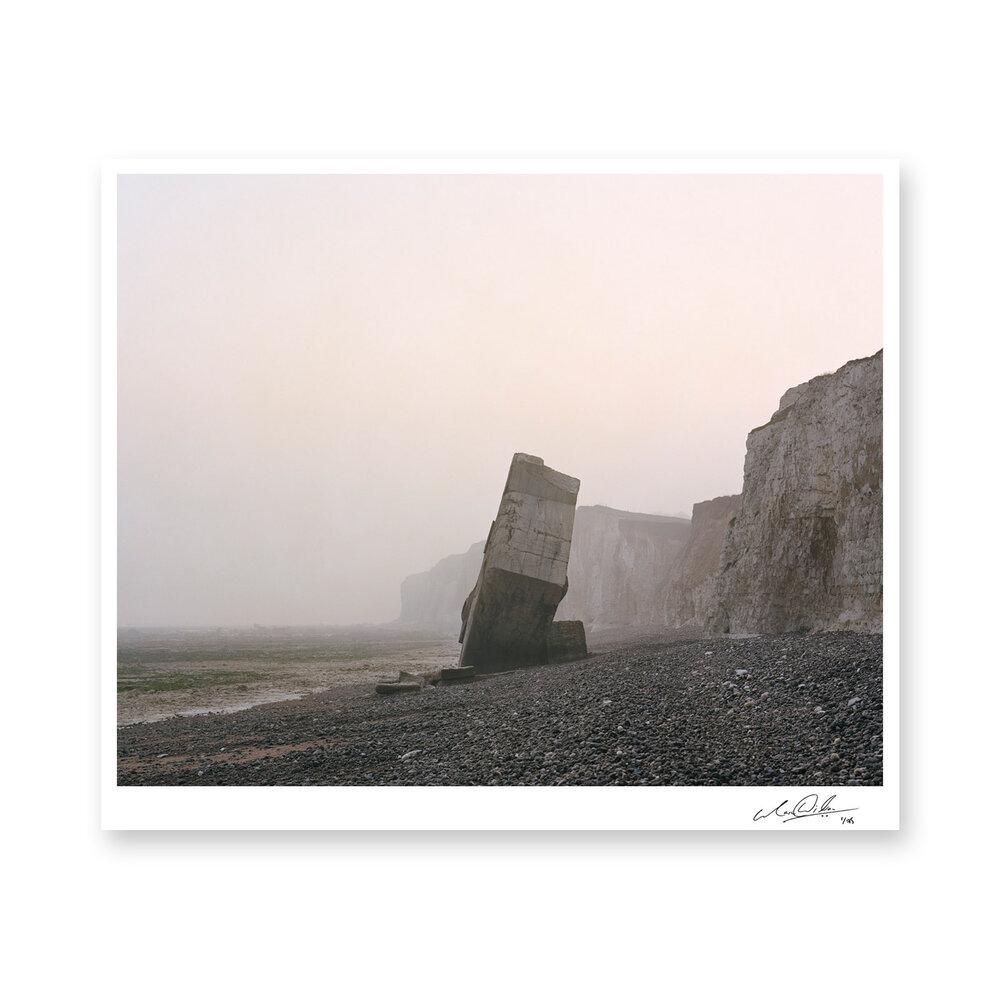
507	616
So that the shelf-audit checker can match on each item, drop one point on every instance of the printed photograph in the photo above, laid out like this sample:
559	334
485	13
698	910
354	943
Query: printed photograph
500	479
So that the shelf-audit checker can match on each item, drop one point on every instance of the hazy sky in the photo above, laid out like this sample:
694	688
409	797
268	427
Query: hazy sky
322	379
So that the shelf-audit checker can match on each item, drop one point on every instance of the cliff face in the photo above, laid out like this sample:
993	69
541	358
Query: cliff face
433	599
804	549
619	564
691	588
618	569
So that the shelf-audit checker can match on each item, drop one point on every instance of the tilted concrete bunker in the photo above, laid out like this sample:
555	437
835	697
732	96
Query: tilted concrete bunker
507	618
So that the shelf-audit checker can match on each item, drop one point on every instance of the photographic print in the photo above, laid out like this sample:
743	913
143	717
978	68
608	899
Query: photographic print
513	494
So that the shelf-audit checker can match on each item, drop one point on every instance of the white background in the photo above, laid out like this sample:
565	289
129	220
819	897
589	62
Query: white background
491	915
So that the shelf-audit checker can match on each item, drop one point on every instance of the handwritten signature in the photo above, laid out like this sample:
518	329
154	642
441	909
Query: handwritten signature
808	807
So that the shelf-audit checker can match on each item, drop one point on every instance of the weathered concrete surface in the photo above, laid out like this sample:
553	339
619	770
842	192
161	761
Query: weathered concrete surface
804	549
567	641
457	675
397	687
506	617
406	683
691	588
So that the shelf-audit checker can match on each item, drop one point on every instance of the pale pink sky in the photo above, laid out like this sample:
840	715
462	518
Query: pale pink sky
322	379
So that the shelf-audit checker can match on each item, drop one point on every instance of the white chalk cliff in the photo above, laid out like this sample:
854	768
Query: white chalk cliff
804	549
434	598
619	566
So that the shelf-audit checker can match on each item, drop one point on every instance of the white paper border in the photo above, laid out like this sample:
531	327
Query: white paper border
534	808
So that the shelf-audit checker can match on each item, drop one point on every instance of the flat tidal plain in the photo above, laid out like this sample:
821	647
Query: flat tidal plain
168	672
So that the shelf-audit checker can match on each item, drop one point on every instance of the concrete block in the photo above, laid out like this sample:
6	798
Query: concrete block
506	618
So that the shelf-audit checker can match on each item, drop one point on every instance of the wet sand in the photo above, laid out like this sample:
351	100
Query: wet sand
187	672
